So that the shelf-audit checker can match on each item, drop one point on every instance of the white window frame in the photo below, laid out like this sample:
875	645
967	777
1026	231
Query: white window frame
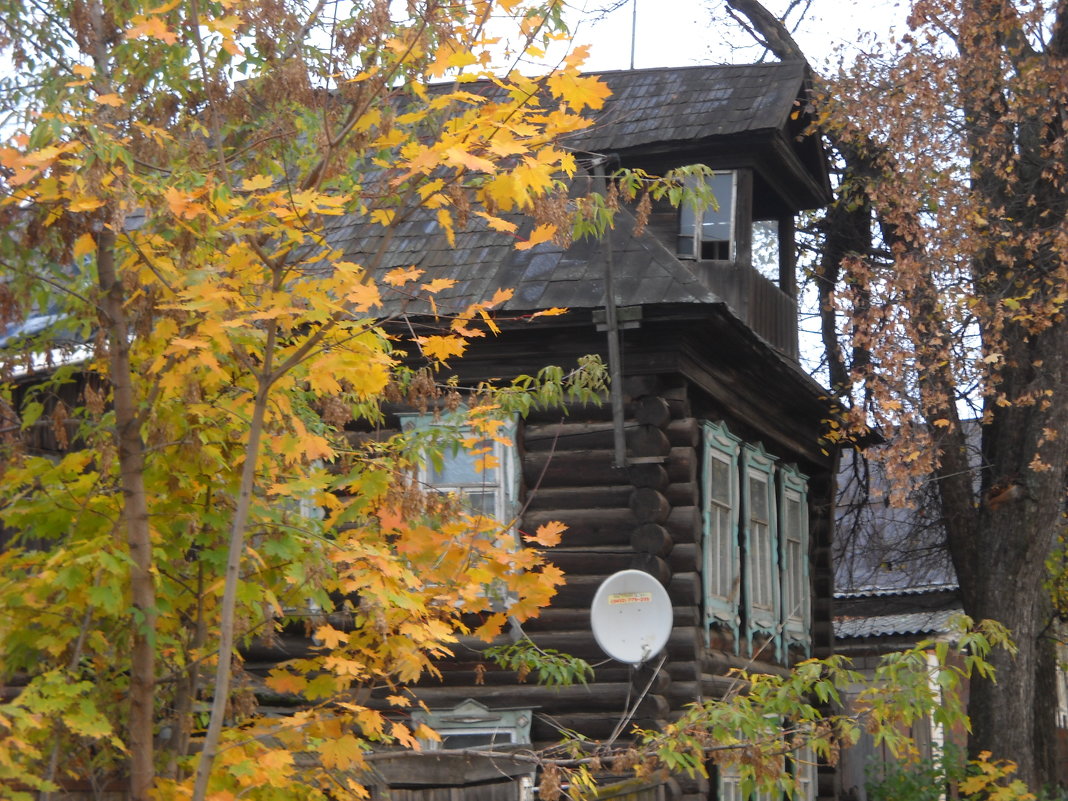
505	486
805	773
796	587
722	564
470	717
730	787
692	225
760	546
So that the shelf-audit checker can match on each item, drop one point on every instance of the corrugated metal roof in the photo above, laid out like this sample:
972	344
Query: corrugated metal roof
882	592
887	625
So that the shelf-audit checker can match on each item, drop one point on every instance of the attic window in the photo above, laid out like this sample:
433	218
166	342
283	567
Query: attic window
708	234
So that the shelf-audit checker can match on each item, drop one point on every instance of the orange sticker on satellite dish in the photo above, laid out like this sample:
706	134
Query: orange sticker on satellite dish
617	598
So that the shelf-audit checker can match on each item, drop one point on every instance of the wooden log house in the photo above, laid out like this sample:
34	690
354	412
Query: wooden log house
725	496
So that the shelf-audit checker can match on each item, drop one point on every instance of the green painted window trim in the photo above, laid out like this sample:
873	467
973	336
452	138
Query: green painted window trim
797	623
721	608
757	464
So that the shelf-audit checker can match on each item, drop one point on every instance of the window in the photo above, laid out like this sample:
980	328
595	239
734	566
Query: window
801	763
470	724
484	473
805	773
796	598
730	787
759	536
722	564
755	546
709	233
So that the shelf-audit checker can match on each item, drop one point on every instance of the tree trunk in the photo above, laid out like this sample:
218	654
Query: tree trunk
131	454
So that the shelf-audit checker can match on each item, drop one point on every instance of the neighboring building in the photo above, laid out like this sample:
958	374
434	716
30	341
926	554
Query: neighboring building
895	586
726	495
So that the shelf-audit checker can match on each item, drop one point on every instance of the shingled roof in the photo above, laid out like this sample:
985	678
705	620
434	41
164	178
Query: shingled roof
680	104
483	261
647	108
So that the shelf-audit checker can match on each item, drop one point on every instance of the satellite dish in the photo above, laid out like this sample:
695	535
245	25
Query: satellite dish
631	616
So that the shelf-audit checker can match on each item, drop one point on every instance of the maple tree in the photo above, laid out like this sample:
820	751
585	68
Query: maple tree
943	279
170	177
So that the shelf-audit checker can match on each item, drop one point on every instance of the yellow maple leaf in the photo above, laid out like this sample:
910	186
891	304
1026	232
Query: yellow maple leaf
257	182
85	203
442	348
364	296
383	216
403	735
152	27
110	99
490	324
341	752
579	91
556	311
402	275
543	233
500	296
83	246
496	223
461	158
547	535
181	203
439	284
330	637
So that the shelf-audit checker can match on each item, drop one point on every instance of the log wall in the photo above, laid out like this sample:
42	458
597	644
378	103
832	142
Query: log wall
645	516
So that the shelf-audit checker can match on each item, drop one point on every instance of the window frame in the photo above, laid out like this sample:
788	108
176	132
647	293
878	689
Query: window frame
691	223
721	608
760	618
506	486
796	624
470	717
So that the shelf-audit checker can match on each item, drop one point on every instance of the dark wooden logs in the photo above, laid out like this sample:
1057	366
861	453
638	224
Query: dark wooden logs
594	468
573	436
649	506
651	538
605	497
652	410
596	696
645	441
685	433
718	662
653	565
637	386
649	474
612	526
609	559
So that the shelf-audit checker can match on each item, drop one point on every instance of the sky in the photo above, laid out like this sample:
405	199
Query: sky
673	33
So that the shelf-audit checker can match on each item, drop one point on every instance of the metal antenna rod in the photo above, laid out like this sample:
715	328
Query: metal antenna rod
633	29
